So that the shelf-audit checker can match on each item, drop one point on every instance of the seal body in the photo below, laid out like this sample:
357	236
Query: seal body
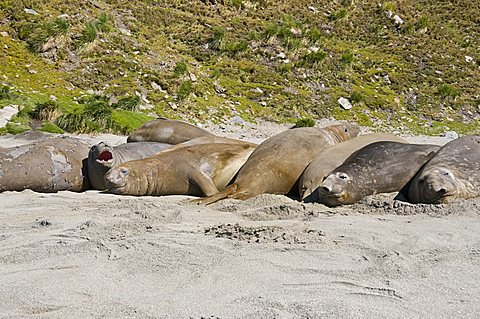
199	170
453	173
332	157
380	167
167	131
277	163
215	139
51	165
103	157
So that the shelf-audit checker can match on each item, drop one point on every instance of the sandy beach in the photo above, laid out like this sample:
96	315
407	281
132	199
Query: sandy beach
97	255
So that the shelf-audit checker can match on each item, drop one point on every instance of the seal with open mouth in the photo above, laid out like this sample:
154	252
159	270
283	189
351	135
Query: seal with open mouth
103	157
380	167
453	173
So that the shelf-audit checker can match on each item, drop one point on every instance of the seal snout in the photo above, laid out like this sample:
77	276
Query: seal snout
326	189
334	185
116	178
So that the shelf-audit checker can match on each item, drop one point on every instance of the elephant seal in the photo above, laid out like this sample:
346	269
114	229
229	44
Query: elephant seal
51	165
329	159
277	163
380	167
453	173
103	157
215	139
168	131
198	170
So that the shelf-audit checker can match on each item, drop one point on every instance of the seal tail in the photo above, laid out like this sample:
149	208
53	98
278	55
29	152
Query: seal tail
227	192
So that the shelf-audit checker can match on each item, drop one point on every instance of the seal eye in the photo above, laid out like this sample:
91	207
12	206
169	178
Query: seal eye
445	174
343	176
346	130
124	171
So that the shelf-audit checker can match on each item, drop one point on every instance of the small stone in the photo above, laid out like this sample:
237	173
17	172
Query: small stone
344	103
53	98
125	31
237	120
313	9
33	71
397	20
257	90
296	32
314	49
30	11
193	78
281	55
263	103
4	34
451	135
468	59
173	105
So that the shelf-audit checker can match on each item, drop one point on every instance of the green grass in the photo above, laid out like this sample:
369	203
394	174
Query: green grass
301	59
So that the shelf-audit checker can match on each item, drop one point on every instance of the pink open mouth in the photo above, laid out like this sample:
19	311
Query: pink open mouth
105	157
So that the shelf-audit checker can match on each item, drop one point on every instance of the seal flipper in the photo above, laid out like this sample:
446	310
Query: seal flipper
205	183
227	192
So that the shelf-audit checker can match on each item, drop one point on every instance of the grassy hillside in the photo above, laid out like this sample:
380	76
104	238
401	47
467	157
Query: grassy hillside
110	65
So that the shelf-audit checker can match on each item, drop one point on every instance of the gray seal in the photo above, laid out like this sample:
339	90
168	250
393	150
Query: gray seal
103	157
167	131
453	173
381	167
332	157
51	165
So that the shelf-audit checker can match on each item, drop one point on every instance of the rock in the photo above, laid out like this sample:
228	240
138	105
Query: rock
314	49
7	113
468	59
296	32
218	88
257	90
451	135
156	86
53	98
313	9
30	11
4	34
125	31
193	78
263	103
397	20
281	55
237	120
344	103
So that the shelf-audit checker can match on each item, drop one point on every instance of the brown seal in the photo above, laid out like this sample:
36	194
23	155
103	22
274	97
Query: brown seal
215	139
51	165
167	131
199	170
453	173
332	157
103	157
381	167
277	163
